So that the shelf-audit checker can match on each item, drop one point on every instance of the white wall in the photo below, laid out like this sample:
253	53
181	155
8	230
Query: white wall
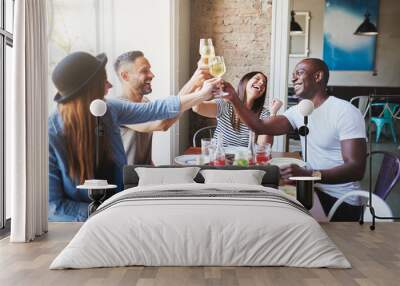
183	66
387	57
161	29
145	26
67	34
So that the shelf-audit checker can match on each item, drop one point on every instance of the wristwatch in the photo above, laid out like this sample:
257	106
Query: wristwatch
317	174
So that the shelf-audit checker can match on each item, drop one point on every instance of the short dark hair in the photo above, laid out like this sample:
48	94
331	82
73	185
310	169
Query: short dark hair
128	57
320	65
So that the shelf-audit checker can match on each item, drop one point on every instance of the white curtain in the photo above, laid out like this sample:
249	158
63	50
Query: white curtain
26	118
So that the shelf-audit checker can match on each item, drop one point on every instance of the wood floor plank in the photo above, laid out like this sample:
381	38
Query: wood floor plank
374	255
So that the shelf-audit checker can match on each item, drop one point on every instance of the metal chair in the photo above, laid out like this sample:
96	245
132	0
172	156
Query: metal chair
388	177
380	206
385	118
209	130
389	173
362	104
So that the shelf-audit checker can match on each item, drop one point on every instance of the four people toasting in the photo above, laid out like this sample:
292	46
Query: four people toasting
131	119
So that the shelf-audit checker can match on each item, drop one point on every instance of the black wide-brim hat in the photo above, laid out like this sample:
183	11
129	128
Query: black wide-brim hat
74	72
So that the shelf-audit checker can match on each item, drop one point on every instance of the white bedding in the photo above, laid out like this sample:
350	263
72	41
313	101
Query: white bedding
183	231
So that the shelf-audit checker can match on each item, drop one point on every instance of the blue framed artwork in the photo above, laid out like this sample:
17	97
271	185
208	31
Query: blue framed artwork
344	51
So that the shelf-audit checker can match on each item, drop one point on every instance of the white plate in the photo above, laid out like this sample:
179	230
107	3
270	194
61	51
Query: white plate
284	161
92	187
187	159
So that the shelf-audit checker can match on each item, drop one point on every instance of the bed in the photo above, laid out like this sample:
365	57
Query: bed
201	224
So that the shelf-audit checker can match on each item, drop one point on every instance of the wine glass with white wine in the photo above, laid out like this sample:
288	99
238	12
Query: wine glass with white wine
217	69
206	50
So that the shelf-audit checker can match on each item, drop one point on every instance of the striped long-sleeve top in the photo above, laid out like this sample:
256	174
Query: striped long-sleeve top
232	137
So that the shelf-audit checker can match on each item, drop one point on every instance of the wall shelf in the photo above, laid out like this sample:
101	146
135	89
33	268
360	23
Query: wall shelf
299	41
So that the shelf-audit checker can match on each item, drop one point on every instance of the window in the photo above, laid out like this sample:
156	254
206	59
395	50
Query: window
6	44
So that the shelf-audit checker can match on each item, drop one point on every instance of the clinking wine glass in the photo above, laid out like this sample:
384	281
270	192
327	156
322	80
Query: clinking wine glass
206	50
217	69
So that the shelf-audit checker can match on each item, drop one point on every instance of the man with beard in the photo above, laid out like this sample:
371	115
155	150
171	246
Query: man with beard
336	141
134	72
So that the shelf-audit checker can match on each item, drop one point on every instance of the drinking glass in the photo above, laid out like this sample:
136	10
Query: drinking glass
218	156
241	158
217	69
263	153
205	150
212	151
219	159
206	50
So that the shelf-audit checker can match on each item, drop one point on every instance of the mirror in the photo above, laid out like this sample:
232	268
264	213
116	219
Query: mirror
299	41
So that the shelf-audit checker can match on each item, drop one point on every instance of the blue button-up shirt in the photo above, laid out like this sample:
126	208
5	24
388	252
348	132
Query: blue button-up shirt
66	202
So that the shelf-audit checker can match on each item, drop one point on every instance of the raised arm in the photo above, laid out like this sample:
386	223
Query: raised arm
207	109
158	125
274	107
170	107
194	84
205	93
354	156
196	81
275	125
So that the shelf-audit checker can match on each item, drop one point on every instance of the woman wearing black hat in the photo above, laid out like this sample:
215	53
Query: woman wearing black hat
80	78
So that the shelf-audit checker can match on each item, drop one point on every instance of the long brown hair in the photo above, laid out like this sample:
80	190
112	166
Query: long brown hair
258	103
79	130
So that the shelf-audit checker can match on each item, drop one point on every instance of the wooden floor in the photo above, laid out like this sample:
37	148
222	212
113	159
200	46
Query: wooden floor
374	255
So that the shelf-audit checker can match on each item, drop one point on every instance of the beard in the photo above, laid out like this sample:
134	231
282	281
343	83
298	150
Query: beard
146	89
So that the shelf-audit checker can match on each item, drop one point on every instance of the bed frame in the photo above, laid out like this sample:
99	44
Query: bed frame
270	179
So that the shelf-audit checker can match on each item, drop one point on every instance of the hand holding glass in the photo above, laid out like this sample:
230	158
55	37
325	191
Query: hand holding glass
217	69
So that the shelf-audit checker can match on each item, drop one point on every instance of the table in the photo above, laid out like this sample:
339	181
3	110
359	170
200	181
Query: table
97	194
316	211
296	155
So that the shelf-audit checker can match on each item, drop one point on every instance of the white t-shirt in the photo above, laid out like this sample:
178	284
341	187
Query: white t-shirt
137	145
335	120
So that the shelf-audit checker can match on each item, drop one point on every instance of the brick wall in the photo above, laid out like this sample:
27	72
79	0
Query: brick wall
241	32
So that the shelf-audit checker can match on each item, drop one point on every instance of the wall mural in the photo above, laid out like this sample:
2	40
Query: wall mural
343	50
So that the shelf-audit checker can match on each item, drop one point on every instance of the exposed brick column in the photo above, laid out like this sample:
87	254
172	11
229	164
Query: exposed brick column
241	32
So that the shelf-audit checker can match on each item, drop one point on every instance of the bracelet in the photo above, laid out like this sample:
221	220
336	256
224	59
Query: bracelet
316	174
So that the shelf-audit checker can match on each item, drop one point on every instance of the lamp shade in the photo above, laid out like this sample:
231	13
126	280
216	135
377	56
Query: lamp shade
294	26
366	28
98	107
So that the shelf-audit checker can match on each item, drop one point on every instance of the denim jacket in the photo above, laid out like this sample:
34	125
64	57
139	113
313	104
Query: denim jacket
66	202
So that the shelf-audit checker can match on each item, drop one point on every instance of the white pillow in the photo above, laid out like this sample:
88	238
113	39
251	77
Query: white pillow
166	176
248	177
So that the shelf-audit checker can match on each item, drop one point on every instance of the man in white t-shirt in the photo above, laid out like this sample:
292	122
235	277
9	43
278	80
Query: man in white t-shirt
336	142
